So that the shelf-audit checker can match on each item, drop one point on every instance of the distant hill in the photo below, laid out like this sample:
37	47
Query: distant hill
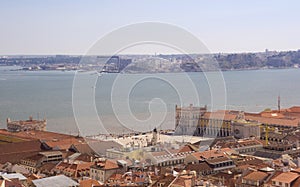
286	59
162	63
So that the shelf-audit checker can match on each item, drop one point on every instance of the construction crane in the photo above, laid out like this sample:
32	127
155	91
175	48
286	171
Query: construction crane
267	129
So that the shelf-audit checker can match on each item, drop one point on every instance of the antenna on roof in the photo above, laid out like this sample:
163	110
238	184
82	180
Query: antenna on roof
278	103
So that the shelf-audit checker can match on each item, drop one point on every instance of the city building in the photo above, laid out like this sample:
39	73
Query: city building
59	180
88	183
138	178
26	125
102	170
13	180
285	179
277	120
241	146
114	153
77	170
255	178
14	152
217	159
187	119
170	157
202	169
199	122
245	129
32	163
98	148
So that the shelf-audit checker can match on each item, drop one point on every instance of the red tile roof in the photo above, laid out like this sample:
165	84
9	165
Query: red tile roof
14	152
73	168
187	148
89	183
286	177
220	114
295	109
62	144
106	165
238	144
274	121
256	176
211	153
36	135
199	167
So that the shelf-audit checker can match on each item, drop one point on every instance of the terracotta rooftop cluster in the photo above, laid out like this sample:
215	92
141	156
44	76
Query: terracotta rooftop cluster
37	158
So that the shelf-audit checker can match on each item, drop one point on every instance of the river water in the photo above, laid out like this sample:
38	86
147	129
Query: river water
48	94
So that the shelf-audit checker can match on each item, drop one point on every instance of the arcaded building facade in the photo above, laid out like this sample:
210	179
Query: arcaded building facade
199	122
26	125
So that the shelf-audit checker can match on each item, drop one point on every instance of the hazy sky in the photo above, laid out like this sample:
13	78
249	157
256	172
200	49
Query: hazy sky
71	27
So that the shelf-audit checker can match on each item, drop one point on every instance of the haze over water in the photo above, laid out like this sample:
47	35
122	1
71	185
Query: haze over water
49	94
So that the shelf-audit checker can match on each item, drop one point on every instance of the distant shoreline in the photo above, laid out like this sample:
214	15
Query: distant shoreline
162	63
87	71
